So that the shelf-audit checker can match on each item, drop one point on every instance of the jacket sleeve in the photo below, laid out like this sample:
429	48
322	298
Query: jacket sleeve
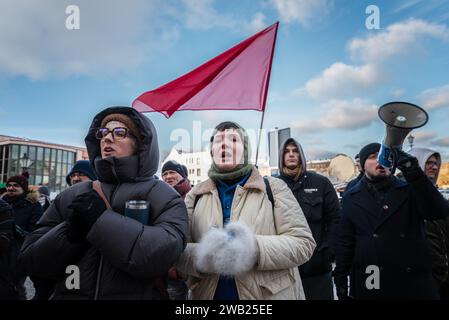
36	214
344	249
431	204
294	244
437	250
6	227
331	215
185	262
46	252
139	250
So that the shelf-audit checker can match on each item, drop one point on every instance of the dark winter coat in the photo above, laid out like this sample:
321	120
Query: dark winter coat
438	237
319	202
9	250
390	236
121	258
27	209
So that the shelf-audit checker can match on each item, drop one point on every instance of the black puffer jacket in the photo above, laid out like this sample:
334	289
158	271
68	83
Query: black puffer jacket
122	257
27	209
8	253
319	202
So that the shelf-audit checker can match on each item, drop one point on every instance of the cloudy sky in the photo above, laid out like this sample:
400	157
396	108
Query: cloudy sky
330	72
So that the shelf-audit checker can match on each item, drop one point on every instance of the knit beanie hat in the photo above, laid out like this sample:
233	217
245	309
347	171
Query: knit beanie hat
367	151
175	166
20	180
44	190
127	121
82	166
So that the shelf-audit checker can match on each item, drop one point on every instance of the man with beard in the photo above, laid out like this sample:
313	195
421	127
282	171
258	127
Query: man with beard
381	235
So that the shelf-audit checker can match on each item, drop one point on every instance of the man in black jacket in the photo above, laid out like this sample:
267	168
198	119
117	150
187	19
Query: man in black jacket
319	202
381	235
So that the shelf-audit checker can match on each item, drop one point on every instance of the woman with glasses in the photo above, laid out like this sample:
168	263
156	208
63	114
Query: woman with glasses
117	256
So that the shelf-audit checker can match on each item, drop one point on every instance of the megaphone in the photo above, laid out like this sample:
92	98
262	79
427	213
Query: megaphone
400	118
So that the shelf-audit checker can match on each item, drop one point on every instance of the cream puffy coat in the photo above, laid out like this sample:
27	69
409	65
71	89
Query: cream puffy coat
283	237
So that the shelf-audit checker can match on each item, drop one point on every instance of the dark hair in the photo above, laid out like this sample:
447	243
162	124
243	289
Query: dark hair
224	126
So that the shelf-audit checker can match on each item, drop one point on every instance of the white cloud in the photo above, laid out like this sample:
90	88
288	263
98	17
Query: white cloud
340	80
397	93
423	137
340	114
201	14
442	142
302	11
113	36
257	23
435	98
398	39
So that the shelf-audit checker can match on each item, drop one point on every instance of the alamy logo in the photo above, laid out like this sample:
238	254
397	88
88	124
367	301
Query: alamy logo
72	22
72	282
373	20
373	280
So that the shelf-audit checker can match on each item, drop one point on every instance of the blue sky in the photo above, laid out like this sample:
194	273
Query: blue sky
330	73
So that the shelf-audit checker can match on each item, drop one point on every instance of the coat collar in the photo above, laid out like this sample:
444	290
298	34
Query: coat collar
255	181
393	200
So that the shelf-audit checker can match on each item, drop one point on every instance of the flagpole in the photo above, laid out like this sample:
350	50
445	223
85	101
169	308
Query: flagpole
266	90
260	134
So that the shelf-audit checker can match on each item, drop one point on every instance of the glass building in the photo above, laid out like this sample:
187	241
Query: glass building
47	164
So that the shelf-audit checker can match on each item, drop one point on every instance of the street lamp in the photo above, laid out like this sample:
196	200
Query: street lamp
410	139
25	163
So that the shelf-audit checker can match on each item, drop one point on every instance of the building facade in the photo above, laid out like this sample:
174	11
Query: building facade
46	163
197	163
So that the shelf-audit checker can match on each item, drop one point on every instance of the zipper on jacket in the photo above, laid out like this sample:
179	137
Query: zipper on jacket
100	266
100	271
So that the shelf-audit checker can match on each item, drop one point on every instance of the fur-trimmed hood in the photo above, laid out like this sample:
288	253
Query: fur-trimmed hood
32	196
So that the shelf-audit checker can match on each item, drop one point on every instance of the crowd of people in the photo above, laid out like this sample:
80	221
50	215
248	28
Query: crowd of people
236	236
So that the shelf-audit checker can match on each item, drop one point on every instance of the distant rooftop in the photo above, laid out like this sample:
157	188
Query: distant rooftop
4	138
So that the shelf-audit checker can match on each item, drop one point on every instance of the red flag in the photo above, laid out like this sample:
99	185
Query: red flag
237	79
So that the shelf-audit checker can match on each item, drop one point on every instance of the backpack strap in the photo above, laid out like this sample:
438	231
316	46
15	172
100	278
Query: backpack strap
269	191
96	185
198	197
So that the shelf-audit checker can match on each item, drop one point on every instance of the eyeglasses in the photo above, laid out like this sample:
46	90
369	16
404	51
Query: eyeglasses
77	174
118	133
431	163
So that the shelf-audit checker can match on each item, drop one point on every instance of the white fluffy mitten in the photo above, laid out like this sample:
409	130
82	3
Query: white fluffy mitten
229	251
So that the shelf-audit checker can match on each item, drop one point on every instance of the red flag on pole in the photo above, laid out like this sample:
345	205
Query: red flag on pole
237	79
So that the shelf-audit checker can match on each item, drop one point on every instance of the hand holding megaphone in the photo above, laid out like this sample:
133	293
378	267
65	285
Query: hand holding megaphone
400	118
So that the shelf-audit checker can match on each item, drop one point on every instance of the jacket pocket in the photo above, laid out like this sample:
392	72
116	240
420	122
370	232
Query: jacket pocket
313	209
276	282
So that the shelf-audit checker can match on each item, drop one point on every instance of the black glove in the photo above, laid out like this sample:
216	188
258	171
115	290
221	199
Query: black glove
408	164
87	208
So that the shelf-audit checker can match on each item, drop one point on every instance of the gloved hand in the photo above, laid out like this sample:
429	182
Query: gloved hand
87	208
408	164
229	251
